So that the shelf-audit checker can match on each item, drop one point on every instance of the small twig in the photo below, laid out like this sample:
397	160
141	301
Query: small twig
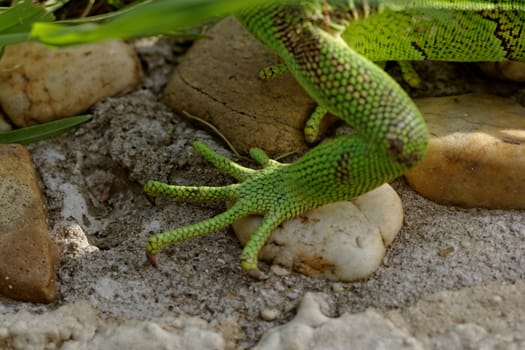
284	155
215	130
88	8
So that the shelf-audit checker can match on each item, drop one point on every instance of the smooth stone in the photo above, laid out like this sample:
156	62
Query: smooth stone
39	84
476	154
342	241
28	257
217	81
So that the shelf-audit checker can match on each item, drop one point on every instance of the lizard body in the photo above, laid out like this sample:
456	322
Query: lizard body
321	42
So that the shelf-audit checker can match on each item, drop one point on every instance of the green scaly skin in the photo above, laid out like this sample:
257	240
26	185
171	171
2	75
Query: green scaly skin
391	135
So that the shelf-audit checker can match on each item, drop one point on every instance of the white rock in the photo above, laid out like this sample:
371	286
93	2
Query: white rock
481	317
338	287
78	326
71	240
269	314
138	335
310	329
76	322
39	84
343	241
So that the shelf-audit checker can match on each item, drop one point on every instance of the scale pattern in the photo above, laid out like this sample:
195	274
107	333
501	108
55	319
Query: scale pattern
391	135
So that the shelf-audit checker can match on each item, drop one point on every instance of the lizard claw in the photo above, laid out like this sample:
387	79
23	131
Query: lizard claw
257	274
152	258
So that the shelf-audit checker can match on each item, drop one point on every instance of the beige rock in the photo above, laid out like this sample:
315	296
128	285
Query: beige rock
39	84
476	155
509	70
218	82
343	241
28	257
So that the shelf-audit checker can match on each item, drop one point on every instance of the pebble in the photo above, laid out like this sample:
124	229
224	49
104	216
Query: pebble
218	82
338	288
342	241
476	153
28	257
39	84
270	314
279	270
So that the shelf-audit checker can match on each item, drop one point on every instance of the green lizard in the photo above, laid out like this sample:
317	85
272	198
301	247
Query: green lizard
323	43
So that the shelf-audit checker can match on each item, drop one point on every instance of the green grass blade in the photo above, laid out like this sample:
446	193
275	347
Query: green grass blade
41	132
149	18
20	17
9	39
16	22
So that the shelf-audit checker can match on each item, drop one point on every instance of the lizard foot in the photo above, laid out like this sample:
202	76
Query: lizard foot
337	169
259	191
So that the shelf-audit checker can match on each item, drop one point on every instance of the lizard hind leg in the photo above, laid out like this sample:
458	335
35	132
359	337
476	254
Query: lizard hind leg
410	76
313	123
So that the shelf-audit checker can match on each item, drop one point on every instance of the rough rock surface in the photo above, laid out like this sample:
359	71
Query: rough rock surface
78	326
476	154
488	317
31	92
217	81
28	257
343	241
481	317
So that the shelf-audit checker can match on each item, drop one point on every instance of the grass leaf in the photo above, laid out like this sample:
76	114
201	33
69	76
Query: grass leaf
16	22
44	131
151	17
